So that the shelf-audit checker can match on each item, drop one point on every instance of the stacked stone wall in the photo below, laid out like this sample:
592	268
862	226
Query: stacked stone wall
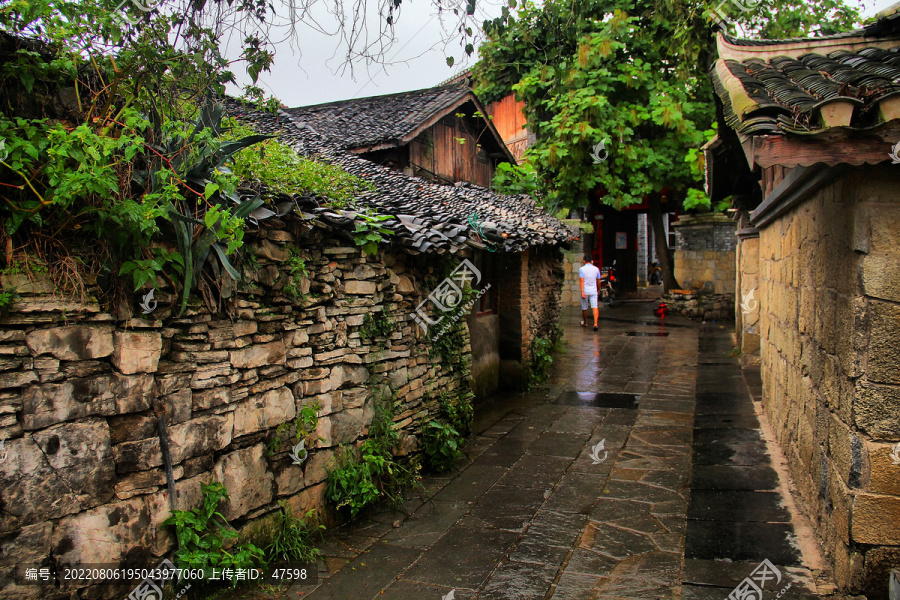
545	279
83	479
705	254
829	301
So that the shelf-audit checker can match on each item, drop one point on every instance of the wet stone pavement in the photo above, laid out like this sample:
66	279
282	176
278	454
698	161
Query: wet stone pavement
636	472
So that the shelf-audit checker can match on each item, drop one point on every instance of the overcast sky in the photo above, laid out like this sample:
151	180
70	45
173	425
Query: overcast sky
314	74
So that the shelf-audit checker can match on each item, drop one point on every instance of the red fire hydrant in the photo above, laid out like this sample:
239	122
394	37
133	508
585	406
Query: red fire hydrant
662	310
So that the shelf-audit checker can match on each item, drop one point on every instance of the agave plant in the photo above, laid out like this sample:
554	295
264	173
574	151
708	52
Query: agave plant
198	232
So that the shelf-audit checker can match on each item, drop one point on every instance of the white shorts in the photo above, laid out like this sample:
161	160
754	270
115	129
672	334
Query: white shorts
589	302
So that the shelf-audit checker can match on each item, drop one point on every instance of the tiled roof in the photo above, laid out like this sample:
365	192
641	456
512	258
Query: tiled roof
808	92
380	120
426	217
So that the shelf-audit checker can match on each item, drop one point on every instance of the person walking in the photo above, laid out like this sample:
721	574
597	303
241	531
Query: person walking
590	294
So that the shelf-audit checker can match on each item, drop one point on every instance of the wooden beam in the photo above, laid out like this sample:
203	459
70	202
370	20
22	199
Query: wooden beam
791	151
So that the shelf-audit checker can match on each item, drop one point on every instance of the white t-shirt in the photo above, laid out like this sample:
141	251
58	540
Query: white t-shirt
590	274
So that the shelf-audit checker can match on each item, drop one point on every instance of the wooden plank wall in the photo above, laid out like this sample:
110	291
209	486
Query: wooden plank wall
509	117
449	158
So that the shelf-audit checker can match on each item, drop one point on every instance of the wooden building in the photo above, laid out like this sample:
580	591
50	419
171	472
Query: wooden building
440	134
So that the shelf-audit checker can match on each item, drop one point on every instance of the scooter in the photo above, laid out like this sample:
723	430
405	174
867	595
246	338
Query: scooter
655	276
608	283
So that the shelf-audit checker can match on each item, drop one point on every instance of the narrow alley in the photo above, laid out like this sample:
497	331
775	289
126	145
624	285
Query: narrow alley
638	472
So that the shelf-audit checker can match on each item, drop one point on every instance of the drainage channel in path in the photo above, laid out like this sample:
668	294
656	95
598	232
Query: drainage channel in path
740	533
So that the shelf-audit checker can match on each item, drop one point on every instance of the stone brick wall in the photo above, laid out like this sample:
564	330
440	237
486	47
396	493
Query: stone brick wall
704	253
829	294
545	278
83	478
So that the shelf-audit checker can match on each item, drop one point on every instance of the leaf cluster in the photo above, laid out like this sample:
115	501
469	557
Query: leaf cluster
630	73
203	536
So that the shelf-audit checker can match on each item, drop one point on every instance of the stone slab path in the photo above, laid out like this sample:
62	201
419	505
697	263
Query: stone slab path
637	472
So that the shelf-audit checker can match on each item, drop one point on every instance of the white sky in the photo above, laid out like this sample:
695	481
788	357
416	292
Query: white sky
418	60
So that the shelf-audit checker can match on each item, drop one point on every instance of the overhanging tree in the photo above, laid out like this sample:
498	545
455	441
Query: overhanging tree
631	74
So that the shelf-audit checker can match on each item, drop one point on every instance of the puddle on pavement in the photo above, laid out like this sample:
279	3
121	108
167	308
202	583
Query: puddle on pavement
647	333
598	400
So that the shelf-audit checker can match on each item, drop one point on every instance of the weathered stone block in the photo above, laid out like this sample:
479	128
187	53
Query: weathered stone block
344	375
76	342
881	346
136	352
884	475
347	425
354	397
258	355
186	440
206	399
288	478
875	520
264	412
106	534
110	394
360	288
311	497
31	491
247	479
31	544
876	411
270	251
316	468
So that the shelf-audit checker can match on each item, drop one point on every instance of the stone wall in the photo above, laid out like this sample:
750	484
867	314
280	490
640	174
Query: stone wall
83	478
829	301
704	253
545	278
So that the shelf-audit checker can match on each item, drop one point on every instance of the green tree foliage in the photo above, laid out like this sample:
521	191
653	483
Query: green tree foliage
629	73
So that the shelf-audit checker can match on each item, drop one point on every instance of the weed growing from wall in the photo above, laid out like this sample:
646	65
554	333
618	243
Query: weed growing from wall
376	325
371	472
203	533
299	429
297	266
293	540
442	445
542	349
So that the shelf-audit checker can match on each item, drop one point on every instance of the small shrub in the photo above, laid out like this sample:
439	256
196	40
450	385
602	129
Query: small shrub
7	299
293	541
355	483
302	427
371	472
541	360
376	325
459	411
442	446
203	534
297	265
